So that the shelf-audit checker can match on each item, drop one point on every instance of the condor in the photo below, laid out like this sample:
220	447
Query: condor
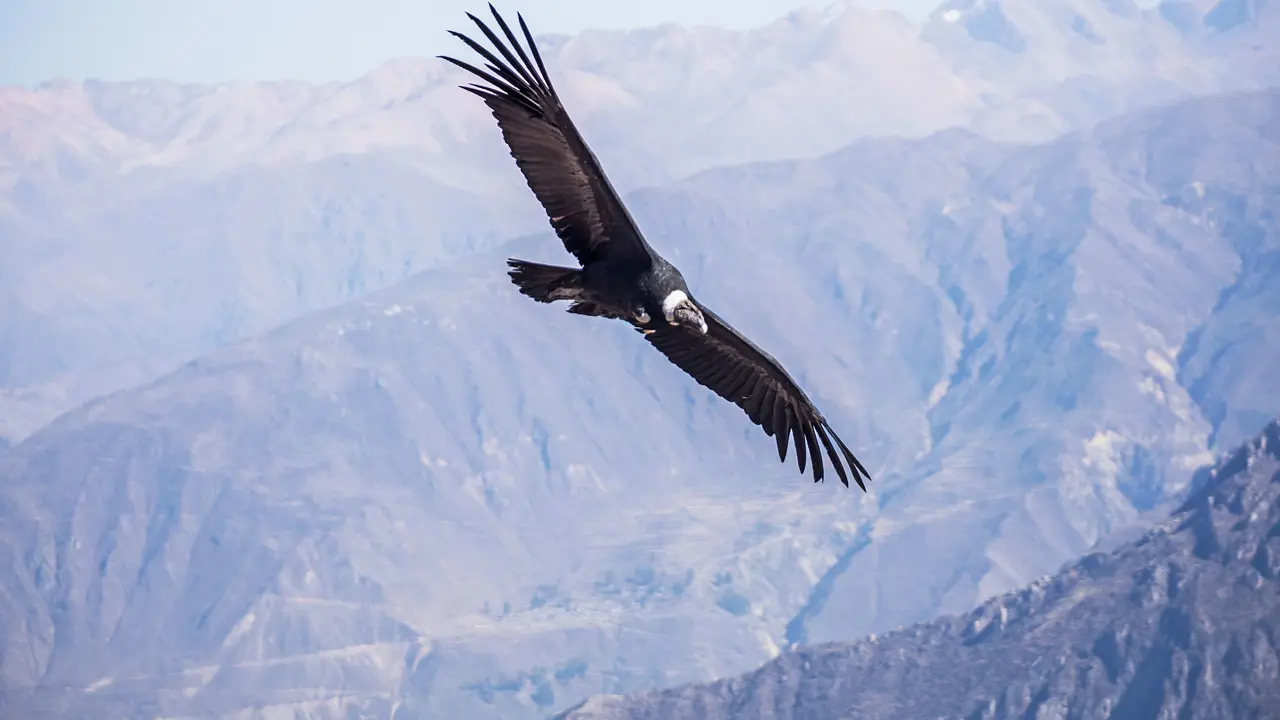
621	276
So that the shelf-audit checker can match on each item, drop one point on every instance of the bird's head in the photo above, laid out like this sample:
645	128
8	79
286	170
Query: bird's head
680	310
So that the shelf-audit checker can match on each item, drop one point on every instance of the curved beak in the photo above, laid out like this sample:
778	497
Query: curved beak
688	315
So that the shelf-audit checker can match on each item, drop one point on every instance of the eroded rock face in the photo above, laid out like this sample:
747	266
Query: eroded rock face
1184	622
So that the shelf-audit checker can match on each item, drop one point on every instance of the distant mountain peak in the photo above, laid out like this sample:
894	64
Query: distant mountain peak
1228	14
983	21
1195	17
830	12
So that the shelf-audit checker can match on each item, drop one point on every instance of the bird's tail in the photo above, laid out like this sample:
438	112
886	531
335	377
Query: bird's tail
545	283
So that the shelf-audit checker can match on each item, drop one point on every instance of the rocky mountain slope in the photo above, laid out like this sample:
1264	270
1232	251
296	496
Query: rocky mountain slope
1184	622
446	500
143	223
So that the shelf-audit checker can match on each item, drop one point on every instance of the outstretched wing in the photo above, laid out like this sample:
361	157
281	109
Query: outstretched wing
561	170
738	371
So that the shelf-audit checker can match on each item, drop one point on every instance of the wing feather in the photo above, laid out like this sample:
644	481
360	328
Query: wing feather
737	370
766	410
798	439
565	176
781	428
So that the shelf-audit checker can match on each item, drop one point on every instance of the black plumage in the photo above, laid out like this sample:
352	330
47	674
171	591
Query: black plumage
621	276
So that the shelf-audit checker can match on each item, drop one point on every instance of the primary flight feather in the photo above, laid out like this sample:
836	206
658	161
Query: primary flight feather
621	276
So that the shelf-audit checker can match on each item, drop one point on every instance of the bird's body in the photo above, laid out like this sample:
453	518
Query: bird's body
609	288
621	276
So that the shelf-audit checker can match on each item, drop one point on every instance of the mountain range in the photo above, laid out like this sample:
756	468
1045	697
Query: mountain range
445	499
1183	622
144	223
284	441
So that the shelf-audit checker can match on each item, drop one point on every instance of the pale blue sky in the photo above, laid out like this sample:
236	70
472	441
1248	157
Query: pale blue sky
212	40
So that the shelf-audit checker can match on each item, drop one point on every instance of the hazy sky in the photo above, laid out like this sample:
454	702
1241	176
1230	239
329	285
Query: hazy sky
211	40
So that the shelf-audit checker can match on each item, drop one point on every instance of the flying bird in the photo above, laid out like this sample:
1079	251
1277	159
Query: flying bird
621	276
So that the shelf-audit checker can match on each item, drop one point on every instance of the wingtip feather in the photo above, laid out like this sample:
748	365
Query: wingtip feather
859	471
821	428
819	472
800	447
